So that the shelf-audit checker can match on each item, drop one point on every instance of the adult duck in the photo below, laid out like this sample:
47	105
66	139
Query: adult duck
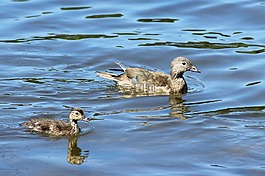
141	79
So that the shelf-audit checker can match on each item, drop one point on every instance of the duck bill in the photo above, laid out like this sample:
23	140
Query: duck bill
86	119
194	69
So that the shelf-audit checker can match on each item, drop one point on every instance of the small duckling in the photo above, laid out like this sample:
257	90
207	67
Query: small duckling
57	127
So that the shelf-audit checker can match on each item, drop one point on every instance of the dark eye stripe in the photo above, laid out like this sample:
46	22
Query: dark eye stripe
79	110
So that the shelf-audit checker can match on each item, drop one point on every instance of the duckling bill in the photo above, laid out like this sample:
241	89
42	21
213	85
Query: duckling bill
57	127
135	78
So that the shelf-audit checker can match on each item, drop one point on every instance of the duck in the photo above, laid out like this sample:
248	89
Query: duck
57	127
141	79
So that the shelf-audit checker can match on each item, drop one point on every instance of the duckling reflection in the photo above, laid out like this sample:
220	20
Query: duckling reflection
74	153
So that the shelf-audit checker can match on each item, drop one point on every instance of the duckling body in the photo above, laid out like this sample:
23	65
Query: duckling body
57	127
150	81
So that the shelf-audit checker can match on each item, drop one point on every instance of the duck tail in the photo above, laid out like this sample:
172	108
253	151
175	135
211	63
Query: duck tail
28	124
110	76
22	124
123	67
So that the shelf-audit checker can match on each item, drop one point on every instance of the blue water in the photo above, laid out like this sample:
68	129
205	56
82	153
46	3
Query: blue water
50	52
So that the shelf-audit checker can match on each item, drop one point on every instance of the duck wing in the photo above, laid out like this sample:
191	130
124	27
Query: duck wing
48	126
145	76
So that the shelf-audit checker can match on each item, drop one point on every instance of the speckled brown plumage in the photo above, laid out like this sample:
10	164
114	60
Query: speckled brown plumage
140	79
57	127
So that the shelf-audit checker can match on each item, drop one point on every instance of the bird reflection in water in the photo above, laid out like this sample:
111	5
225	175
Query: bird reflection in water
176	106
74	153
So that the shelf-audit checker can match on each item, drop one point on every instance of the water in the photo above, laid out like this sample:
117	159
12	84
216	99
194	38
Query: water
50	51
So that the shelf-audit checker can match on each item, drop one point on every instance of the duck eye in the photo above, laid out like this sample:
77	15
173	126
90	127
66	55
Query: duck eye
76	113
184	63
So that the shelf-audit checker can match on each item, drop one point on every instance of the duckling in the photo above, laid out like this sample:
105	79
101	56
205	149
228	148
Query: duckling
57	127
140	79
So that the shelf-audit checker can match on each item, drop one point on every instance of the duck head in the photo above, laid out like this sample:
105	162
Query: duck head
180	65
76	114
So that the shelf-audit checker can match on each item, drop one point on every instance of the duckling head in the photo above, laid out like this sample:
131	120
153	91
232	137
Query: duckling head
180	65
76	114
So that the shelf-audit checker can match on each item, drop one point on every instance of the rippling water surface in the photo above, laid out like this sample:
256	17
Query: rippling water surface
50	51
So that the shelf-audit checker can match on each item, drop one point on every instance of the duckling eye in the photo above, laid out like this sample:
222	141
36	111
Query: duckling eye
77	113
184	63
